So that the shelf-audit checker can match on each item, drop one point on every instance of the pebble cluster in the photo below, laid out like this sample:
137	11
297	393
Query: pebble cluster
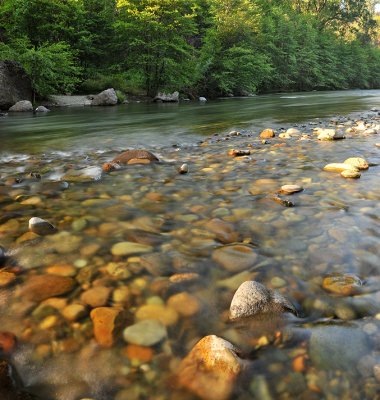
242	267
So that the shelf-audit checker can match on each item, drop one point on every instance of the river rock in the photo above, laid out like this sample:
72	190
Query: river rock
202	99
106	98
42	109
253	298
350	174
342	284
22	106
107	322
41	227
339	167
157	264
357	162
290	189
293	132
128	248
167	97
330	134
74	312
96	296
337	347
183	169
184	303
235	257
41	287
145	333
267	133
166	315
210	369
14	84
224	230
129	155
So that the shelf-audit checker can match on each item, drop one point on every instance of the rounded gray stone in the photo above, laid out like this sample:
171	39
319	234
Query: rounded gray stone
145	333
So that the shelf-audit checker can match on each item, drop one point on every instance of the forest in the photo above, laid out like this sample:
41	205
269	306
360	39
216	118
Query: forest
198	47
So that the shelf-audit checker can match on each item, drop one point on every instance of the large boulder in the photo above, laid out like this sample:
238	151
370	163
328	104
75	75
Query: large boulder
14	84
22	106
106	98
167	97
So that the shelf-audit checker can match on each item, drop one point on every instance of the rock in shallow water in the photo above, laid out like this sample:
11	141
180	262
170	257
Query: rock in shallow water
339	167
253	298
127	248
145	333
290	189
350	174
41	227
357	162
235	257
338	346
343	284
211	368
330	134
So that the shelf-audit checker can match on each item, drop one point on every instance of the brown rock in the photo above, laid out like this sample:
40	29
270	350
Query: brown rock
7	341
6	278
41	287
74	312
166	315
184	303
267	133
357	162
235	257
107	323
342	284
210	369
224	230
62	270
238	153
129	155
141	353
96	296
138	161
108	167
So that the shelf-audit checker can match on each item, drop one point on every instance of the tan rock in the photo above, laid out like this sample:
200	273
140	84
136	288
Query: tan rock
129	155
96	296
41	287
184	303
267	133
342	284
290	189
224	230
74	312
138	161
107	322
62	270
6	278
235	257
166	315
357	162
339	167
210	369
348	173
128	248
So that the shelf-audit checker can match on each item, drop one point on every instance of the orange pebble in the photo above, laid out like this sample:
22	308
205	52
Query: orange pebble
108	167
144	354
299	364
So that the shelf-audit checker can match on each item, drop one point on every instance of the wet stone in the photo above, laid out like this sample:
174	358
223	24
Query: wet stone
267	133
210	369
330	134
136	154
41	227
41	287
107	322
129	248
184	303
74	312
350	174
339	167
290	189
328	349
235	257
166	315
252	298
157	264
96	297
343	284
145	333
357	162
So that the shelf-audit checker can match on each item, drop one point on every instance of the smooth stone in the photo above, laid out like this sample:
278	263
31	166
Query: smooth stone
330	134
290	189
41	287
62	270
202	99
252	298
293	131
128	248
41	227
357	162
267	133
145	333
107	322
96	296
235	257
284	136
74	312
224	230
350	174
157	264
184	303
210	369
166	315
337	347
183	169
42	109
129	155
342	284
119	270
22	106
339	167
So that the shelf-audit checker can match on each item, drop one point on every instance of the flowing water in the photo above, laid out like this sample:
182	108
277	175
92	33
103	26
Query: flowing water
176	225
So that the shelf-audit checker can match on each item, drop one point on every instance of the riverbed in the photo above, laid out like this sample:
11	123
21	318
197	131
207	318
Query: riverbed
173	225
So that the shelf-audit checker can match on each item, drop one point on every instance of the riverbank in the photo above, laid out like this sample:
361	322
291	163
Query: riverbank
147	243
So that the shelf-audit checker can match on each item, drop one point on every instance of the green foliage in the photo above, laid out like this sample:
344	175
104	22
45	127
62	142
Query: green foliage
120	96
200	47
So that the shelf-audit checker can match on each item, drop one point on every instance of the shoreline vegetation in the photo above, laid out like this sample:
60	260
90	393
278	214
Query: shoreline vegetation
196	47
